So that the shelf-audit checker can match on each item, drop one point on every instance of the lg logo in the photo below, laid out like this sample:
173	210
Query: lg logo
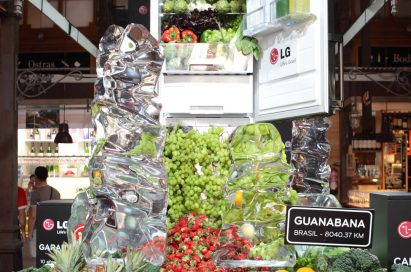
48	224
404	229
284	53
274	56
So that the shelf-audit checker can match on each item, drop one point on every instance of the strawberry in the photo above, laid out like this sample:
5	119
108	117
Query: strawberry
207	256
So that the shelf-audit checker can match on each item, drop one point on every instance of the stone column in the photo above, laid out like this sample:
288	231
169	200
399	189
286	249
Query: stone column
10	244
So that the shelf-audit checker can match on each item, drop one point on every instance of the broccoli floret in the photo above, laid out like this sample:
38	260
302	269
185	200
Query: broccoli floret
180	6
321	263
356	260
365	260
400	268
222	6
168	6
344	263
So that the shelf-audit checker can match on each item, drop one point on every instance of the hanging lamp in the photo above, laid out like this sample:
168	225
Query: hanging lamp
63	136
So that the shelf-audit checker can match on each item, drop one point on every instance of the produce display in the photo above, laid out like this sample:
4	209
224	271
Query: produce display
127	202
218	24
257	194
190	245
250	169
256	142
221	6
338	259
197	168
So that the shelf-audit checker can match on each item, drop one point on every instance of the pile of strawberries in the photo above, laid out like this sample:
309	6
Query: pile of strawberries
190	245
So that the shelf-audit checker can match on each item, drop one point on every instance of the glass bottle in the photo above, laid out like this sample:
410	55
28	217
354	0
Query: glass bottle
41	150
49	150
32	150
56	150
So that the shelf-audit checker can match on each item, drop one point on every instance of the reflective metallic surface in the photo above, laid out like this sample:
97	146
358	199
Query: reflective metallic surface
309	155
128	199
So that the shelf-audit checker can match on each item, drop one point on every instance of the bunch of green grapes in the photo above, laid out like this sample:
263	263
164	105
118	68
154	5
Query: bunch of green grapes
197	168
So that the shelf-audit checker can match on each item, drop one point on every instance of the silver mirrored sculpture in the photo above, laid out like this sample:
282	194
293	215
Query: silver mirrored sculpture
309	157
128	197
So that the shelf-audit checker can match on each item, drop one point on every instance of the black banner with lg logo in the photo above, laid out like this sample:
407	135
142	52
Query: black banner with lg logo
392	231
51	227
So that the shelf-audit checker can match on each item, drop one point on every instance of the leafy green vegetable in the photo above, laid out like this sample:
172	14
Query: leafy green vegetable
222	6
215	36
168	6
180	6
247	45
235	6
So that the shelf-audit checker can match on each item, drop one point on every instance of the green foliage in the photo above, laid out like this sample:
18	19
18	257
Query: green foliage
113	266
134	261
69	257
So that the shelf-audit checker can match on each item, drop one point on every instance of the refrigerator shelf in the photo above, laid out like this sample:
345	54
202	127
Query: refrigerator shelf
205	58
271	18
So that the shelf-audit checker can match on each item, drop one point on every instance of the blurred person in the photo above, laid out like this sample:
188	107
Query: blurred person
21	215
42	192
30	186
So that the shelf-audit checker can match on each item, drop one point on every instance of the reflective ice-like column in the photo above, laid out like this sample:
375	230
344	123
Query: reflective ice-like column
256	194
128	199
309	158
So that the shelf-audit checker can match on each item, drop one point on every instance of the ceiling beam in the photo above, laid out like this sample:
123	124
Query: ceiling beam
62	22
361	21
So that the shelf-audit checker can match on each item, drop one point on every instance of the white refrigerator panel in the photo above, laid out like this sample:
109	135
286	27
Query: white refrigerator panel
292	75
207	94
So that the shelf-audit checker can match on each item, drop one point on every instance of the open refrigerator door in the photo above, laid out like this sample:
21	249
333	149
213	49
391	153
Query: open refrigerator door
291	79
